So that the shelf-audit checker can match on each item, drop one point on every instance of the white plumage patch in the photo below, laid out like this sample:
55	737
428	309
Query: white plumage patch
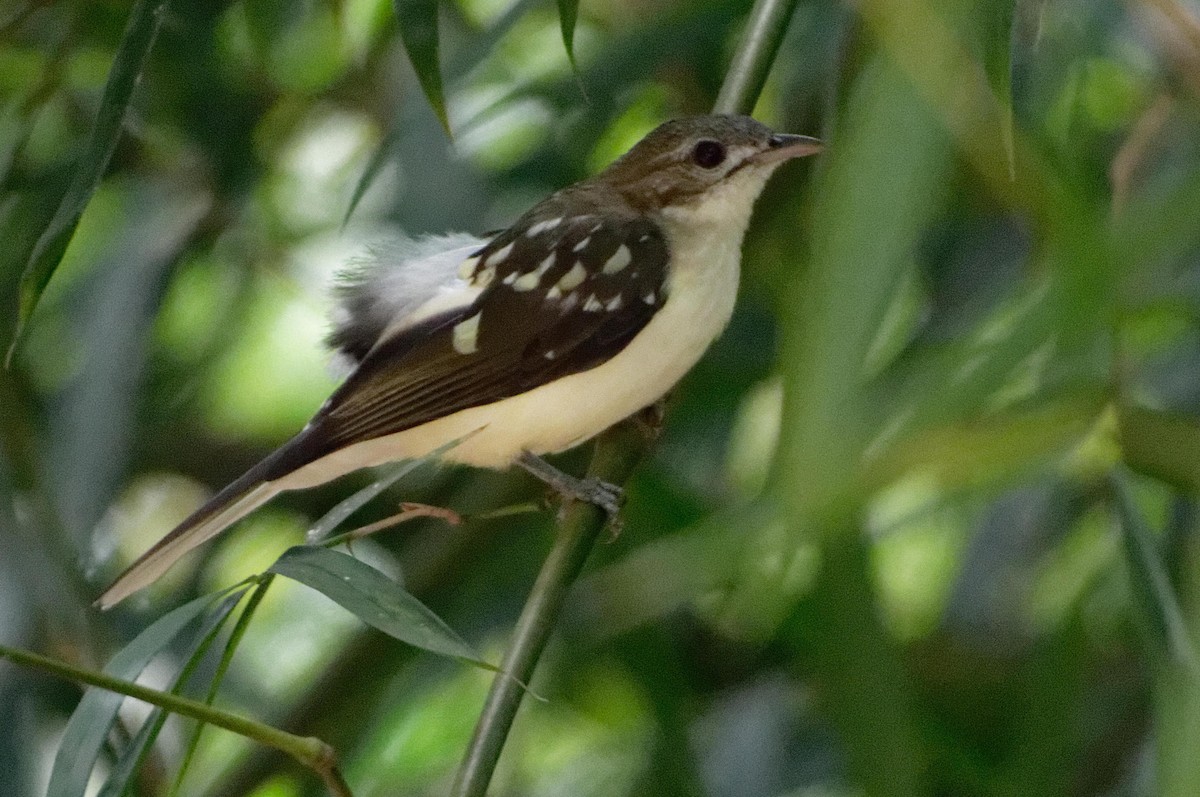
572	278
399	282
620	259
531	280
498	257
466	335
543	226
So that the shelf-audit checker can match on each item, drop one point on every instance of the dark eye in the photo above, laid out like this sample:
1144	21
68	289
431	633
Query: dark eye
709	154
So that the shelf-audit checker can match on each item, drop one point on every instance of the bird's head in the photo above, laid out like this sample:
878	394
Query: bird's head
703	167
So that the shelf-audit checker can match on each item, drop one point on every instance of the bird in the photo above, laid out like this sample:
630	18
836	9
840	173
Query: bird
496	350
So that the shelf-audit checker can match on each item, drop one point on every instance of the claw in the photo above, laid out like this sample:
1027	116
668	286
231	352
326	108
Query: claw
608	497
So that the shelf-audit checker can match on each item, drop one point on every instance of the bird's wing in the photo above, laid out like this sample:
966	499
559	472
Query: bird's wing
520	319
555	296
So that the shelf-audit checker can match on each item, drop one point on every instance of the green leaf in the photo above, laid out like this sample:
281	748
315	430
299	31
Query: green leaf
47	253
89	725
379	159
1151	583
418	21
373	598
568	13
1162	445
135	752
231	646
389	476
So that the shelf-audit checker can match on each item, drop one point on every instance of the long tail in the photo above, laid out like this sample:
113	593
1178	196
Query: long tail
250	491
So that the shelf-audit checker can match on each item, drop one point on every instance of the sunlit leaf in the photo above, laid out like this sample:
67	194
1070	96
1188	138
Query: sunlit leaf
418	20
89	726
130	59
373	598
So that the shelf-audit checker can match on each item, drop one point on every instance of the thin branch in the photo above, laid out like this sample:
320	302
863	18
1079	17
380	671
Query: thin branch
309	751
617	453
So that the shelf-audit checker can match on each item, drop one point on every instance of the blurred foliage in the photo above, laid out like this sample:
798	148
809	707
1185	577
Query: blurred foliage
923	521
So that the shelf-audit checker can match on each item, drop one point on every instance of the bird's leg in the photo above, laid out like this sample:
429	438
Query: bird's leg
608	497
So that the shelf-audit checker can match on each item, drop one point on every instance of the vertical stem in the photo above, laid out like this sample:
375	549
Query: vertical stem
617	453
764	33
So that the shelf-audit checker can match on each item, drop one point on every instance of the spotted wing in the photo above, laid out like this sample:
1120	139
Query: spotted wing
560	294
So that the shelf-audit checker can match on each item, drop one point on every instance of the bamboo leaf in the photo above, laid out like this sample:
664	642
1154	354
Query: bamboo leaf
135	752
231	646
418	21
388	476
373	598
1151	583
568	13
47	253
90	723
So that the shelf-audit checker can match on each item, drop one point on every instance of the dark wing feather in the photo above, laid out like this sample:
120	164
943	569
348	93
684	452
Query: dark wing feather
526	336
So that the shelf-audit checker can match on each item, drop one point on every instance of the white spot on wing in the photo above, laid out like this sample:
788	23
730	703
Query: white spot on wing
550	354
529	281
592	304
649	298
579	247
614	303
554	293
543	226
511	277
484	277
466	335
620	259
572	278
497	257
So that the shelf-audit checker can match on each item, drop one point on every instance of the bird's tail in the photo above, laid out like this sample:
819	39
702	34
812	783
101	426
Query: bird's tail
249	492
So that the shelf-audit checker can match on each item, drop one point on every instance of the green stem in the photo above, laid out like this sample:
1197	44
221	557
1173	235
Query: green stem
752	62
617	453
310	752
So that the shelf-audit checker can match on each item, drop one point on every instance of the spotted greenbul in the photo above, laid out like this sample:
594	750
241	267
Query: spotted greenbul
533	340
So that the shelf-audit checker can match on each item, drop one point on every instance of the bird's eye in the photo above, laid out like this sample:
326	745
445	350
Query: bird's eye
708	154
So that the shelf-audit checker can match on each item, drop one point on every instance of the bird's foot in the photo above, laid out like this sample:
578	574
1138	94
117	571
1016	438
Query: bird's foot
608	497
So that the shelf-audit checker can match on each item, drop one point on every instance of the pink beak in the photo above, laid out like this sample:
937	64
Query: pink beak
785	146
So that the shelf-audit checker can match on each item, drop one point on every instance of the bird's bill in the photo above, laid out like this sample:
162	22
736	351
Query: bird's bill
785	146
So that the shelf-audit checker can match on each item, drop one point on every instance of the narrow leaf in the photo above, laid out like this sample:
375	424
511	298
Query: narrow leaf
568	13
1151	583
127	67
89	726
379	159
231	646
135	752
374	598
418	21
334	517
